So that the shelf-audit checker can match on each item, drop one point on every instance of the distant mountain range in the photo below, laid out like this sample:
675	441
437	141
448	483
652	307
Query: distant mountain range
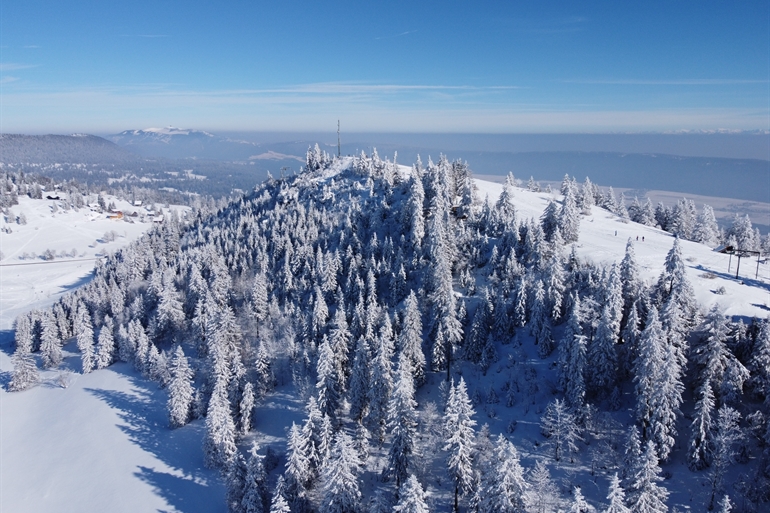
746	179
177	143
50	149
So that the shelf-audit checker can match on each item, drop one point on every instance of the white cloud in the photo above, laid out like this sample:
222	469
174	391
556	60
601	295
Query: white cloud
13	66
362	107
675	82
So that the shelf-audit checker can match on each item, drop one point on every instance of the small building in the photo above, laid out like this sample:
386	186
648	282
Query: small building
137	203
115	216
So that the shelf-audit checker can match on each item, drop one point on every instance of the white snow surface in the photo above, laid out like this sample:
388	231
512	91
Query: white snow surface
103	442
34	283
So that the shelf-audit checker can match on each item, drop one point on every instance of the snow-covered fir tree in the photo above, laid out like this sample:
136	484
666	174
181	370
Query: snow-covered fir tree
105	344
341	488
255	497
180	389
401	422
459	433
219	442
645	495
617	497
25	373
50	343
246	407
411	497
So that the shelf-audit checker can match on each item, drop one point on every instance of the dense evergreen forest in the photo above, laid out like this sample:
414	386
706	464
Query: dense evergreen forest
362	288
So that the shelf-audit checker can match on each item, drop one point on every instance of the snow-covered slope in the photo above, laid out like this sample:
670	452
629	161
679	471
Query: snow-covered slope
603	238
84	235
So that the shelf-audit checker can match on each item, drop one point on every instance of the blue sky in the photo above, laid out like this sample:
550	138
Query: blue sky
443	66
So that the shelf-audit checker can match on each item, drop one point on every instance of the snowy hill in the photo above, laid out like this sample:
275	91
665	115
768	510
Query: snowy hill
339	300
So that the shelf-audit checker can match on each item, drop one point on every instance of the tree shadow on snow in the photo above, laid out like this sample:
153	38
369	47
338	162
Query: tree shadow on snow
7	342
180	492
77	283
744	280
190	488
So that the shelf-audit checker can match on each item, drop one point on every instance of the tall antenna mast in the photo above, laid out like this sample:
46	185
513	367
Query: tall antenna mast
338	138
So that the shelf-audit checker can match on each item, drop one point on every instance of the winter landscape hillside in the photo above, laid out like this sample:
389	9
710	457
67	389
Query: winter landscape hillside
366	336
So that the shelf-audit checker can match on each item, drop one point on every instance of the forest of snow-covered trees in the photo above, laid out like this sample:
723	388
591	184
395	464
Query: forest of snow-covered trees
355	285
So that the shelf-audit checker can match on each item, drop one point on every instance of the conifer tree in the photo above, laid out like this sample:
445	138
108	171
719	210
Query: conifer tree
632	457
259	297
264	372
410	339
572	358
25	372
645	494
279	503
666	399
458	429
328	387
411	497
180	390
50	344
340	340
555	289
219	442
543	494
299	472
679	311
341	491
255	497
569	217
617	497
246	407
759	363
711	354
602	352
105	345
23	333
549	220
648	367
139	337
235	481
706	229
414	208
401	422
579	504
380	384
631	283
170	314
699	452
725	506
359	381
538	323
504	487
726	435
85	339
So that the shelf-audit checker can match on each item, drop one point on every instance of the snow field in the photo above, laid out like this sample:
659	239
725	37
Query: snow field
35	283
